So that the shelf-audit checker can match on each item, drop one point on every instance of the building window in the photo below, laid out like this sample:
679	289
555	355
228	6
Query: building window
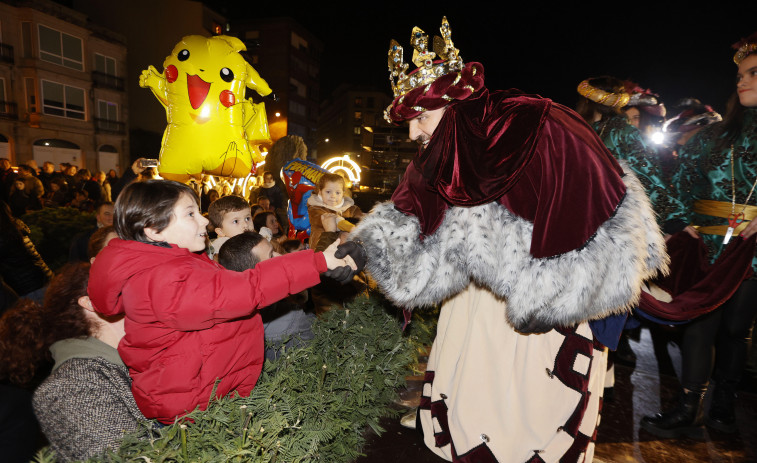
356	130
31	94
358	115
358	101
297	108
62	100
107	110
60	48
26	38
105	64
299	88
299	42
2	89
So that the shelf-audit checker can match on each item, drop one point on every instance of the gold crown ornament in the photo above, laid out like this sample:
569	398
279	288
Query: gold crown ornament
744	48
613	100
428	70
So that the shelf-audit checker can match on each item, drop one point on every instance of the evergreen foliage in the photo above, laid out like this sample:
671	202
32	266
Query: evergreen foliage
311	404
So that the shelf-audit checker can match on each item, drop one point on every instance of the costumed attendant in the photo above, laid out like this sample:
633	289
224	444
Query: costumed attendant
489	222
644	111
691	116
716	182
602	106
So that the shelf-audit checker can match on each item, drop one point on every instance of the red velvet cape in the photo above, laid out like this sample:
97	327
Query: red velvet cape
537	158
698	287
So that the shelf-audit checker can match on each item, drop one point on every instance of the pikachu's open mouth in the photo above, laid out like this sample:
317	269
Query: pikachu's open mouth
198	90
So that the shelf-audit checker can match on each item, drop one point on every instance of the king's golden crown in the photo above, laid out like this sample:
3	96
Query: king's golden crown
428	70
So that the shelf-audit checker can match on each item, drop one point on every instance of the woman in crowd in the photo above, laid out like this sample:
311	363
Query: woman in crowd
716	182
86	404
267	219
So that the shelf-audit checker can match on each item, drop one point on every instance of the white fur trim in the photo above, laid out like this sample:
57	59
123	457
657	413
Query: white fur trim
489	245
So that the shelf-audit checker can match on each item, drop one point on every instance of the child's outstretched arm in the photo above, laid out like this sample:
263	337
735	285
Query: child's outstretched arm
190	297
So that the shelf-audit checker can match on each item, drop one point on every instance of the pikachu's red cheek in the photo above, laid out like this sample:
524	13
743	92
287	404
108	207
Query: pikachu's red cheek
171	74
227	98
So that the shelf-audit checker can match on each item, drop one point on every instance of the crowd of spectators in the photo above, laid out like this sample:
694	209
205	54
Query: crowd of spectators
29	187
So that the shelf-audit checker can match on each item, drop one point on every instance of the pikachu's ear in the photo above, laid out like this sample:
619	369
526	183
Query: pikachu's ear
233	42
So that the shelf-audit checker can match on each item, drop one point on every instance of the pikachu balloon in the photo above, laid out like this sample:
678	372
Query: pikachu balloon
212	128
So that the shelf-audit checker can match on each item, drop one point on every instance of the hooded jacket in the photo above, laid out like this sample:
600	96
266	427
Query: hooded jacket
189	321
316	208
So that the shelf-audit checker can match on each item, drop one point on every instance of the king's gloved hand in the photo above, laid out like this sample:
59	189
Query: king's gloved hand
356	251
342	274
533	326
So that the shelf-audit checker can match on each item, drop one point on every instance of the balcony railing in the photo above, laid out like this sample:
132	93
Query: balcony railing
6	53
108	126
103	80
8	110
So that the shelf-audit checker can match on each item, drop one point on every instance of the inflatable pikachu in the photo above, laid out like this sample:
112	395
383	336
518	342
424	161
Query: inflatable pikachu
212	128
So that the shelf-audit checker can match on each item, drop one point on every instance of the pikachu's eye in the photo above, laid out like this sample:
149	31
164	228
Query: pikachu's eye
227	75
184	55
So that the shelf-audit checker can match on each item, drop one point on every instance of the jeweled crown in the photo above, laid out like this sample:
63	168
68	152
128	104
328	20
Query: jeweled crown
428	69
744	48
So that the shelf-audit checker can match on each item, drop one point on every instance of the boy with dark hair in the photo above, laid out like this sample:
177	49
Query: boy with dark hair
229	216
285	322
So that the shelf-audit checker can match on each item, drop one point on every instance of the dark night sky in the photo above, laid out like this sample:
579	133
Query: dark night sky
673	48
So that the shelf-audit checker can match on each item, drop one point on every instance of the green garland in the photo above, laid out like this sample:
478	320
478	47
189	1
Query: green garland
312	404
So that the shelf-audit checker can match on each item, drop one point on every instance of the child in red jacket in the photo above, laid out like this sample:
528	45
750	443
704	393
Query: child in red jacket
188	321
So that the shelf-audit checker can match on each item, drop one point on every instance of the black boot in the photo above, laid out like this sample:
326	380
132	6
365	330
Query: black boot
722	416
684	420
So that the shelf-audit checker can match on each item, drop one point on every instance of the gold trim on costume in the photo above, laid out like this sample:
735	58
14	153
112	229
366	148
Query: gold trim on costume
722	209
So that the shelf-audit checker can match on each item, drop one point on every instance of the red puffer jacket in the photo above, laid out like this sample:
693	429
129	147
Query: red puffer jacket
190	321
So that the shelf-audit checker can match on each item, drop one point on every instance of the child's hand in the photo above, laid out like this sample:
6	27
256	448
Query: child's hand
329	221
341	270
333	262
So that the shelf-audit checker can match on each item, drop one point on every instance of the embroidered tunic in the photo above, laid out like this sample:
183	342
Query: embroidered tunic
625	142
705	174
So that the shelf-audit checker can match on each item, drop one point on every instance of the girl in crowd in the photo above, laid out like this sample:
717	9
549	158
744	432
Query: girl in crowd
644	111
267	220
190	327
716	181
86	404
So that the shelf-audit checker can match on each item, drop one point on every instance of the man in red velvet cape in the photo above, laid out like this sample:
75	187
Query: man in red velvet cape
518	221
